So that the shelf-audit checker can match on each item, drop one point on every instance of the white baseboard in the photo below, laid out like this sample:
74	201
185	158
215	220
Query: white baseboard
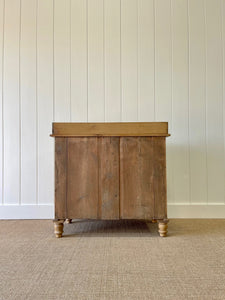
8	212
198	211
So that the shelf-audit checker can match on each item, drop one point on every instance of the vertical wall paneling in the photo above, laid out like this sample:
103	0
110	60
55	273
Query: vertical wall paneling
214	92
129	59
146	65
96	87
163	79
112	60
163	61
45	167
197	102
62	53
79	60
11	102
180	100
28	100
223	57
1	95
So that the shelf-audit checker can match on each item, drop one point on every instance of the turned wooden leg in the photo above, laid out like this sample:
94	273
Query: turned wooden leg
68	221
58	228
162	225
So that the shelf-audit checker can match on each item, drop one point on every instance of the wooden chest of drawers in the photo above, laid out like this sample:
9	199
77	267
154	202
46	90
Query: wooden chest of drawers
110	171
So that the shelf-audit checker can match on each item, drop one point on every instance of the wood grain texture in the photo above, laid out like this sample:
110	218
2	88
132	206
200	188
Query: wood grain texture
111	129
60	177
160	191
109	177
136	178
82	185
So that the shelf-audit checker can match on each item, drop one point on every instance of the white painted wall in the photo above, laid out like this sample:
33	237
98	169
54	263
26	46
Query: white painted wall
112	60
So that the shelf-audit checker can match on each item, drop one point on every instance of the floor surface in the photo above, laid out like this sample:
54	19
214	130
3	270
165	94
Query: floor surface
112	260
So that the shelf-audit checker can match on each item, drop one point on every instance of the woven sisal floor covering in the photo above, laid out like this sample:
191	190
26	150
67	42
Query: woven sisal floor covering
112	260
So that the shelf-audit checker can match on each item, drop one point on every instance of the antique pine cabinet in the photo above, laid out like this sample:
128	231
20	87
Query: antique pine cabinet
110	171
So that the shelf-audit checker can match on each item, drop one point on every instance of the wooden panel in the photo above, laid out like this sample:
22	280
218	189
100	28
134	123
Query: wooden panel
79	60
109	177
110	129
214	103
180	101
197	102
28	101
136	178
1	97
11	103
60	177
45	146
112	60
82	186
160	191
62	60
96	110
129	65
146	64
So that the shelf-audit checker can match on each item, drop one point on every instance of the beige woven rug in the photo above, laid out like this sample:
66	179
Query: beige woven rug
112	260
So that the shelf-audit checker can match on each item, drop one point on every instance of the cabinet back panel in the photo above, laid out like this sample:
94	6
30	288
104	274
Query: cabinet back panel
60	177
160	190
82	181
109	177
136	178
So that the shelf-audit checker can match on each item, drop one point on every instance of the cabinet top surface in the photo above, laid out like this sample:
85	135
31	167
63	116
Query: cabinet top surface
110	129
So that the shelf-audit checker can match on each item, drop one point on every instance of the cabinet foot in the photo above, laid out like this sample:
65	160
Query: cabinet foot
68	221
58	228
162	226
